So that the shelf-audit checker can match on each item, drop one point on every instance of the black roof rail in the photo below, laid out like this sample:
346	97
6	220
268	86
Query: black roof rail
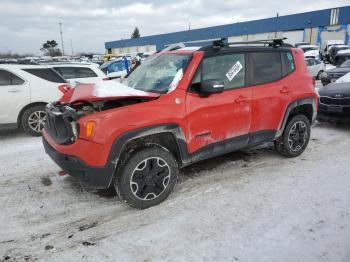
275	42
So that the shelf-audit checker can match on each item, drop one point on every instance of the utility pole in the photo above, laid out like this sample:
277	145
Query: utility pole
61	38
71	46
189	26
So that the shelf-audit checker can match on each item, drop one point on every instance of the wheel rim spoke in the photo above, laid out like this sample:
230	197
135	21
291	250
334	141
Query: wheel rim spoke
297	136
36	120
150	178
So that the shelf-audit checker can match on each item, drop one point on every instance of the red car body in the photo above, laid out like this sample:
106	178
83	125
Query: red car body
201	127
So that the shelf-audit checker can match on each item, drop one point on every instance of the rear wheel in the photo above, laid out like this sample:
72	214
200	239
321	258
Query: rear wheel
295	137
33	120
147	178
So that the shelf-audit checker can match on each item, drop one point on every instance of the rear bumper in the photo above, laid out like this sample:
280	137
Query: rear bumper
97	177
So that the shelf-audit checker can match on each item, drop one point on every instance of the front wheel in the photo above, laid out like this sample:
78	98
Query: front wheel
318	77
33	120
147	178
295	137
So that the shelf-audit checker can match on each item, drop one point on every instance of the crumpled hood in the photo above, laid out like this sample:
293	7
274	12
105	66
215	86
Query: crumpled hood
104	90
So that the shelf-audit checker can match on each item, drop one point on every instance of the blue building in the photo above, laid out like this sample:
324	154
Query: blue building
314	27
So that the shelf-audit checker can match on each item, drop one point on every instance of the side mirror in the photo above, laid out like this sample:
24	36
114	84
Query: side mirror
211	86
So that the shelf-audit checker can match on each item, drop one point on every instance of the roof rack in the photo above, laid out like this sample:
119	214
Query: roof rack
275	42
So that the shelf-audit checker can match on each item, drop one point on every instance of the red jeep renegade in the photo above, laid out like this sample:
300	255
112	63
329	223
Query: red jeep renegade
179	107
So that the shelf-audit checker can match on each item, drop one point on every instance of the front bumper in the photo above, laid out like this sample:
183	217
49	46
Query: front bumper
333	112
97	177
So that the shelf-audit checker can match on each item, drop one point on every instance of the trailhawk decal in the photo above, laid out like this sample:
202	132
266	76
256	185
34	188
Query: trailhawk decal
234	71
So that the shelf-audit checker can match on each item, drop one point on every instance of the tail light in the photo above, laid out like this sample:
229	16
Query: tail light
64	88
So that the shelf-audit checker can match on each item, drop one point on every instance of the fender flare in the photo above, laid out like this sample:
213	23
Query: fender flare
299	102
172	128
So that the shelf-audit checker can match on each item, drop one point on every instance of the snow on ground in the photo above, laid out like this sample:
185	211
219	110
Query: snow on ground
246	206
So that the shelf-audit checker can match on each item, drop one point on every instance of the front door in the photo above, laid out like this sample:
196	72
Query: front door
224	118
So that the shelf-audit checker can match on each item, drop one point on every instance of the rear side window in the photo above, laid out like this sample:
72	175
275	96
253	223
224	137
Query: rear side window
289	62
46	74
7	79
267	67
75	72
228	68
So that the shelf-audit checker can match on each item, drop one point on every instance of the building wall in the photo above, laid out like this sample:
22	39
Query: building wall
313	25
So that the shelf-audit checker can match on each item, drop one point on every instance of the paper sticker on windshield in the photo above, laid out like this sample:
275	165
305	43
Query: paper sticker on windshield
234	71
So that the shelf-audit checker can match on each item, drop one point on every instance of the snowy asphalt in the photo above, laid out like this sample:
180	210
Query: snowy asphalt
246	206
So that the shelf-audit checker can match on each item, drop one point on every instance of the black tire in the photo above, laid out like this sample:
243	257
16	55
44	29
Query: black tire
295	137
27	120
147	177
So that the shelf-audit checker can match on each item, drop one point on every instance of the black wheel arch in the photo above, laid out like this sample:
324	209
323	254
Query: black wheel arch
168	136
306	106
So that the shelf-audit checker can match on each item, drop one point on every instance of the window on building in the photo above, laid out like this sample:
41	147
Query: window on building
334	16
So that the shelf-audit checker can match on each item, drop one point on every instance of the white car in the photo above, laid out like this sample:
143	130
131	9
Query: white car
24	92
316	67
310	51
79	72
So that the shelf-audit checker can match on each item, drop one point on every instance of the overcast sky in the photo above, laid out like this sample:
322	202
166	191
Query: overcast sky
26	24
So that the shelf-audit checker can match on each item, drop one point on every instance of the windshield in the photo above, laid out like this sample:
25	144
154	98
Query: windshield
305	49
345	64
159	74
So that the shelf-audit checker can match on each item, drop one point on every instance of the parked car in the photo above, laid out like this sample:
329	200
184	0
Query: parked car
177	108
341	57
296	45
333	50
326	46
310	51
79	72
316	67
24	92
116	68
334	102
333	74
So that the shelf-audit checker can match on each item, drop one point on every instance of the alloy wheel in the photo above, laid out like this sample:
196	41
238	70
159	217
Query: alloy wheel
150	178
36	120
297	136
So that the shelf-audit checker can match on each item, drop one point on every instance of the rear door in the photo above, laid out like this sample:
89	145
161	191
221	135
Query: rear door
273	90
14	95
224	116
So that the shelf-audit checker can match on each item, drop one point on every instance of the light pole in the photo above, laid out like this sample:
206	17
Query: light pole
61	38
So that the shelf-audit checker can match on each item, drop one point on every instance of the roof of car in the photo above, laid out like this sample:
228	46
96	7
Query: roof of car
21	66
306	46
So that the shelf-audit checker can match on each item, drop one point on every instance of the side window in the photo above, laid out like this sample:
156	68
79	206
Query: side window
83	72
75	72
66	72
229	68
289	62
7	78
46	74
267	67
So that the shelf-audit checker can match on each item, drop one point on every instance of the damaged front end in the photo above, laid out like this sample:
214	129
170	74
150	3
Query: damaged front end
63	117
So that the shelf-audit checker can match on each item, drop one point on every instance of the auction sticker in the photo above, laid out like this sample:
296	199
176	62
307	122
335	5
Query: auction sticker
234	70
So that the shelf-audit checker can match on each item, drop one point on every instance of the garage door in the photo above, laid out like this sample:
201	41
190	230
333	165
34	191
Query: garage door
294	36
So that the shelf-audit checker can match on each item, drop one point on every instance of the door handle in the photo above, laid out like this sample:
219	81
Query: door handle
241	99
285	90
